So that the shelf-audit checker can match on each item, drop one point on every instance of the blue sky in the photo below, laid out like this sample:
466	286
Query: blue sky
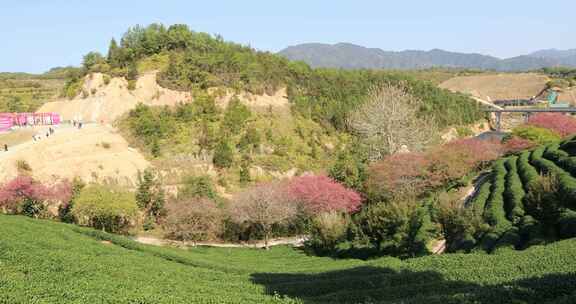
39	34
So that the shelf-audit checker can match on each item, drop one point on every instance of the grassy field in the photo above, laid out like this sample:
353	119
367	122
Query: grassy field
47	262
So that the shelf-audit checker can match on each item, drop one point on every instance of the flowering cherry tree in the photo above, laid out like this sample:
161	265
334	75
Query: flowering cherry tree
319	193
24	188
557	122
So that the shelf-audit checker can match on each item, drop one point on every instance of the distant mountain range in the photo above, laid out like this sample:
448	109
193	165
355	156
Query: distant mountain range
351	56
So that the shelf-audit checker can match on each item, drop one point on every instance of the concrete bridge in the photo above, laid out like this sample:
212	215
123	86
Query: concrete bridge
527	112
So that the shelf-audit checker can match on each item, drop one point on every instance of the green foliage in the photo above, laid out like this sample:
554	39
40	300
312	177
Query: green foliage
327	230
532	199
250	140
396	228
245	172
514	192
527	172
350	171
150	196
478	203
536	134
198	60
197	187
235	116
102	208
494	213
92	59
148	123
223	154
280	275
72	87
65	210
329	95
461	227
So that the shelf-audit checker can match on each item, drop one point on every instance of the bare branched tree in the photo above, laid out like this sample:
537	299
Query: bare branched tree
389	120
263	205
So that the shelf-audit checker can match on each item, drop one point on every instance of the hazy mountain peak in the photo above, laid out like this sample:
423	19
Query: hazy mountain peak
352	56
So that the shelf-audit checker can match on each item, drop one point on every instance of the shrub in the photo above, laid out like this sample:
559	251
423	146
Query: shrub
26	196
319	194
236	116
398	175
536	134
105	145
131	85
557	122
223	155
387	225
544	201
64	210
23	167
250	140
516	144
197	187
349	171
461	227
104	208
413	174
327	230
197	219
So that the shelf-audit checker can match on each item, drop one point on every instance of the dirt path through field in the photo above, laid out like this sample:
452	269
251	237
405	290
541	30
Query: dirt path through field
292	241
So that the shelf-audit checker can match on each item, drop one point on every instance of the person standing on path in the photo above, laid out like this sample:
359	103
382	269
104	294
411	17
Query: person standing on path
5	148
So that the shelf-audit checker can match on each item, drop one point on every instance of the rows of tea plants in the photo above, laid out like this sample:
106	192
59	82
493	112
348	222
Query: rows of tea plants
502	199
48	262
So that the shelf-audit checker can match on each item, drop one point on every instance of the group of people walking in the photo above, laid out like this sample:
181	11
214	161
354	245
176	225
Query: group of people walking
38	136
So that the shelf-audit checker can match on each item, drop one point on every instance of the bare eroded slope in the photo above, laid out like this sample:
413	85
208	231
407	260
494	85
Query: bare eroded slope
93	153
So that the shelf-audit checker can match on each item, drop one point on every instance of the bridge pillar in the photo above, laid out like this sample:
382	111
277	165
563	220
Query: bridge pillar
527	116
498	121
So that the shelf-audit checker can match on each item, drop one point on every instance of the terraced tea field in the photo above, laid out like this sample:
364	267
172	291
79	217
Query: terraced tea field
503	199
48	262
26	93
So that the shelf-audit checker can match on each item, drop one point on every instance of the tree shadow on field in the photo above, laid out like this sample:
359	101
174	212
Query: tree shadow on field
381	285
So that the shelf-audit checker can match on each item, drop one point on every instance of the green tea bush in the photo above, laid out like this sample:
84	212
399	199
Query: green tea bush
528	174
494	213
514	192
281	275
478	203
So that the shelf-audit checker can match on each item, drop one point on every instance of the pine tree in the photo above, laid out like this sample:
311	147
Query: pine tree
223	155
113	52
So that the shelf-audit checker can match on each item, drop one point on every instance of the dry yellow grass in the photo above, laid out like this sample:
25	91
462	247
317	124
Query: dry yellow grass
500	86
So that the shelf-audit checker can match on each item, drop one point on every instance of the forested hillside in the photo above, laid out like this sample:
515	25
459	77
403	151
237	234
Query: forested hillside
305	129
190	60
350	56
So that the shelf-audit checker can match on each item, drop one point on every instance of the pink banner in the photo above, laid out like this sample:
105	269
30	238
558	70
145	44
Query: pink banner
29	119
